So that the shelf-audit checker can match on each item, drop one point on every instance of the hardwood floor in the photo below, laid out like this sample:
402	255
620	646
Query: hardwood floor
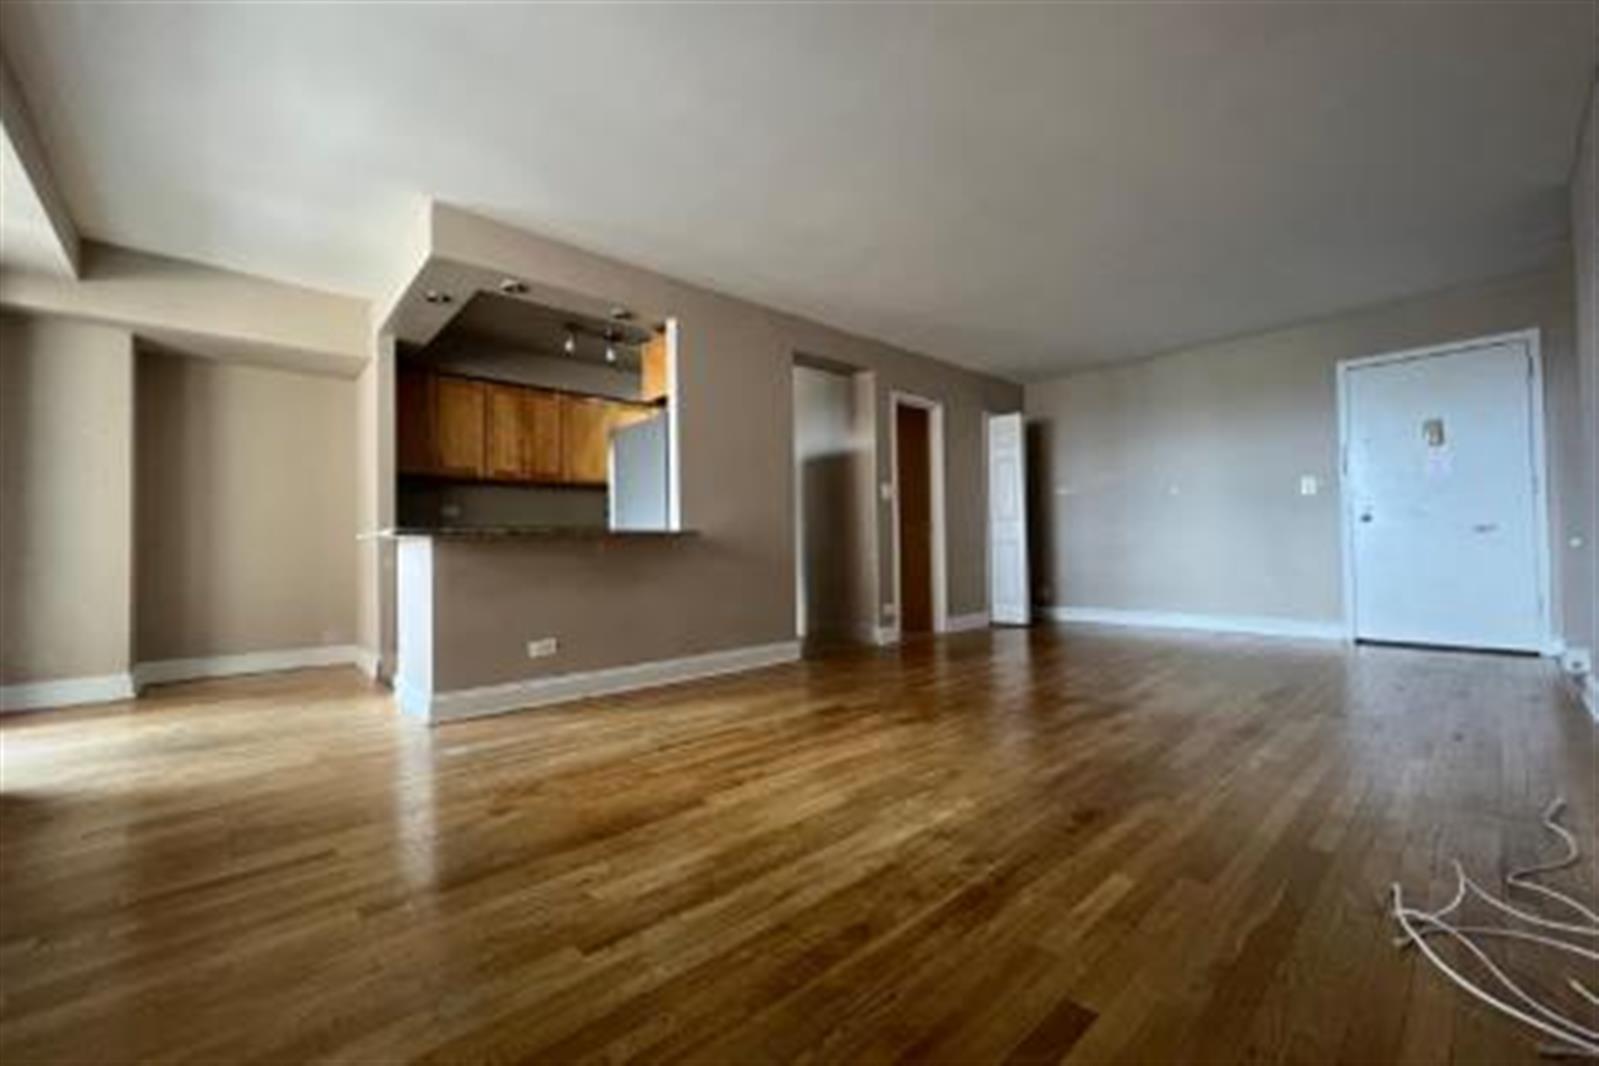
1033	846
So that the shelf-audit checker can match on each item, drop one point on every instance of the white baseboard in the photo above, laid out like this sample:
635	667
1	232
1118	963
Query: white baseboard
253	662
562	688
956	623
66	692
1255	625
367	661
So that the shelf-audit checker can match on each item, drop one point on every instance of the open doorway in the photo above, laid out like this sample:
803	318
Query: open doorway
833	484
918	470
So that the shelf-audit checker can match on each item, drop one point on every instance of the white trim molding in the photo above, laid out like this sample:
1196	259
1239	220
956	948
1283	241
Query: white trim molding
961	623
368	661
252	662
533	692
66	692
1254	625
1577	664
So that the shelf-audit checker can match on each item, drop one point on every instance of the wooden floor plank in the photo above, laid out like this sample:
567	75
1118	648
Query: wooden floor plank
1064	844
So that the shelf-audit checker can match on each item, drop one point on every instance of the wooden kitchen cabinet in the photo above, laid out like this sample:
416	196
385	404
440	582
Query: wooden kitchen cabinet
542	417
413	421
585	436
522	434
466	429
624	414
506	455
458	414
653	370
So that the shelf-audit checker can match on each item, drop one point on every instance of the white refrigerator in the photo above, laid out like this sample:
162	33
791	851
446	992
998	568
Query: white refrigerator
638	475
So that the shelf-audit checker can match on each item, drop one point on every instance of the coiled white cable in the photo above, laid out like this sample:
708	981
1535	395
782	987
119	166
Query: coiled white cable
1576	1039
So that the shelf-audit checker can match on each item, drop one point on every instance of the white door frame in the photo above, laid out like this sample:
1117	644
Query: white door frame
674	430
1540	467
988	526
935	443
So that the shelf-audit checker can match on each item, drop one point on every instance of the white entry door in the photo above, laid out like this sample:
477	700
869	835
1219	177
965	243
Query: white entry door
1443	499
1007	521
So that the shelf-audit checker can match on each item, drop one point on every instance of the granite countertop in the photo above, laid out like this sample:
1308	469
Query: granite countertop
519	532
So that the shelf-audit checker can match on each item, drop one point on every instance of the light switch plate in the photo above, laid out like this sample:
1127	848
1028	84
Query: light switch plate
1308	485
539	649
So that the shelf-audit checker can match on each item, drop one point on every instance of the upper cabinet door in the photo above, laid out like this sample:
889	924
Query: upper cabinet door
542	438
458	411
413	421
586	432
506	447
656	383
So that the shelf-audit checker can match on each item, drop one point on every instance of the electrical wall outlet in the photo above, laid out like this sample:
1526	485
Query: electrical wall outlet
1308	485
538	649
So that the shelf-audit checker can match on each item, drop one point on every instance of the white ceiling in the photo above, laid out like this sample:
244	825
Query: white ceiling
1019	188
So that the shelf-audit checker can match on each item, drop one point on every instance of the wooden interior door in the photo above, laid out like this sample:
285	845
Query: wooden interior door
586	438
458	411
914	477
507	456
541	425
413	421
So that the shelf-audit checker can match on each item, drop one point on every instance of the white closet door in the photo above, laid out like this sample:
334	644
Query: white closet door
1007	521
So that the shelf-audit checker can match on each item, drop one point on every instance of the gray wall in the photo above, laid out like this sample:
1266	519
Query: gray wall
732	584
246	508
66	500
1584	583
1172	484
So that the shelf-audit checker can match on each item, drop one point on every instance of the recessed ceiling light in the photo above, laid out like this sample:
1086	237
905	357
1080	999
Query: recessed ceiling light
512	287
621	314
434	296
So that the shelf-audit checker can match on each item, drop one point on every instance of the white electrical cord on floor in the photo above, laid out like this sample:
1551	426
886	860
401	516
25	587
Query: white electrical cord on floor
1575	1039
